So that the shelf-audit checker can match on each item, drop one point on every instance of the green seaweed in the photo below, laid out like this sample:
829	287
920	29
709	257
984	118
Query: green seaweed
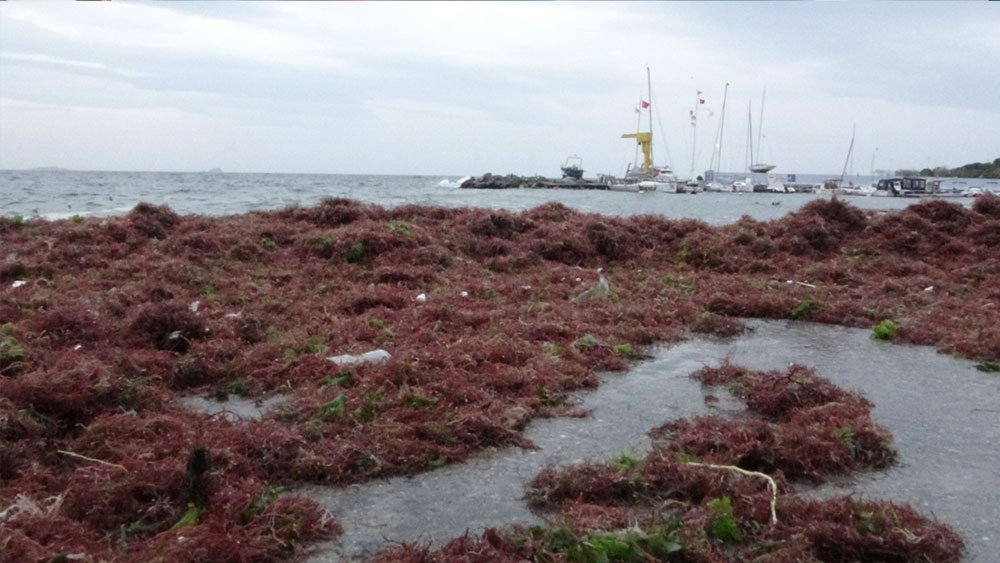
332	409
885	330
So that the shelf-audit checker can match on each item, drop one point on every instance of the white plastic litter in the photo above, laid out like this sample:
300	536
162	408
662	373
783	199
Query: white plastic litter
18	283
194	306
234	315
929	288
420	298
465	294
804	284
78	346
376	356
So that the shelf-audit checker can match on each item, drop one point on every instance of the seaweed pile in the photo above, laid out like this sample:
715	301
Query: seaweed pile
105	323
717	490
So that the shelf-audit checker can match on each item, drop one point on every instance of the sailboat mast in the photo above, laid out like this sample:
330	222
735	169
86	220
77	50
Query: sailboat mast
694	132
638	129
649	92
850	149
749	135
760	123
722	126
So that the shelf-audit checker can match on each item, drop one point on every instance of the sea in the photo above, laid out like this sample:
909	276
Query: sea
61	194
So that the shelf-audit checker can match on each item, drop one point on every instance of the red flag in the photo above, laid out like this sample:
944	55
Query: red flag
701	101
645	104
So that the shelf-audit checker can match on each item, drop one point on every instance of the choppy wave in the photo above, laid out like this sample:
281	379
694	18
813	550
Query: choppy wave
446	183
101	212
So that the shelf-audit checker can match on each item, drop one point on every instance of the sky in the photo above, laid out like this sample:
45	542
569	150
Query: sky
464	88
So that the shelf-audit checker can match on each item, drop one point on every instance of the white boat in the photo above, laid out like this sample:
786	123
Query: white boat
636	187
714	186
775	185
743	186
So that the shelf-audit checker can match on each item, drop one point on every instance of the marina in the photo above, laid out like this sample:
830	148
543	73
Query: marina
907	187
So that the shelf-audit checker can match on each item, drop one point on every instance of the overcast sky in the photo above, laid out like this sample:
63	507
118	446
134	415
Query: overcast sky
465	88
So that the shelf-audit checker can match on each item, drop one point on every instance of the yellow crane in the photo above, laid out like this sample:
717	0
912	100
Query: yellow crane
645	140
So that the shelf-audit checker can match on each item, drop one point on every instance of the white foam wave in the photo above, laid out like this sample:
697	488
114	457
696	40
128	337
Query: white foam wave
446	183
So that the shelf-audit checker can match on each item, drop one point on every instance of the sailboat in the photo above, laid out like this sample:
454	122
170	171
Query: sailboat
760	167
746	184
647	177
851	189
715	163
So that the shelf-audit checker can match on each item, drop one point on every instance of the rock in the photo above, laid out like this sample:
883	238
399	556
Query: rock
376	356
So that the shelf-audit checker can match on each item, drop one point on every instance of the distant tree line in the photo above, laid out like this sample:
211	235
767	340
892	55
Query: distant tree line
974	170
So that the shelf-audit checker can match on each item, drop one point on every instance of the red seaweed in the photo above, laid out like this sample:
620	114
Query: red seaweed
120	316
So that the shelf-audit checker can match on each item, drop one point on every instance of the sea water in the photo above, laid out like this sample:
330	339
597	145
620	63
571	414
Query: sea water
55	194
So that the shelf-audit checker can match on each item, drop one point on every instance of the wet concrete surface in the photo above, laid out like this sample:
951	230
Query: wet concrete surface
942	412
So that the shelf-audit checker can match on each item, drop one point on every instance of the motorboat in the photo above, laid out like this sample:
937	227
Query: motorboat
573	167
743	186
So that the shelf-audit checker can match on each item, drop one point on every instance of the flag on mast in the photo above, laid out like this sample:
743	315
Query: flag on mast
645	104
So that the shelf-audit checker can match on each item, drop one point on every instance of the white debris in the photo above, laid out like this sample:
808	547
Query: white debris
18	283
376	356
194	306
78	346
465	294
929	288
420	298
234	315
802	283
525	287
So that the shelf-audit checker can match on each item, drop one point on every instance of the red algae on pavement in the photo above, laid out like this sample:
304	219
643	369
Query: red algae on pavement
119	317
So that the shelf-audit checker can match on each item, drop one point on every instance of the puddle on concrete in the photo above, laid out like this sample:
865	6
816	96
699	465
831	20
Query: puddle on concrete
234	408
940	410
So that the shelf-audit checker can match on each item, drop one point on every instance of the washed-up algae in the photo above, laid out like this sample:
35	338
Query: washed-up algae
119	318
713	489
